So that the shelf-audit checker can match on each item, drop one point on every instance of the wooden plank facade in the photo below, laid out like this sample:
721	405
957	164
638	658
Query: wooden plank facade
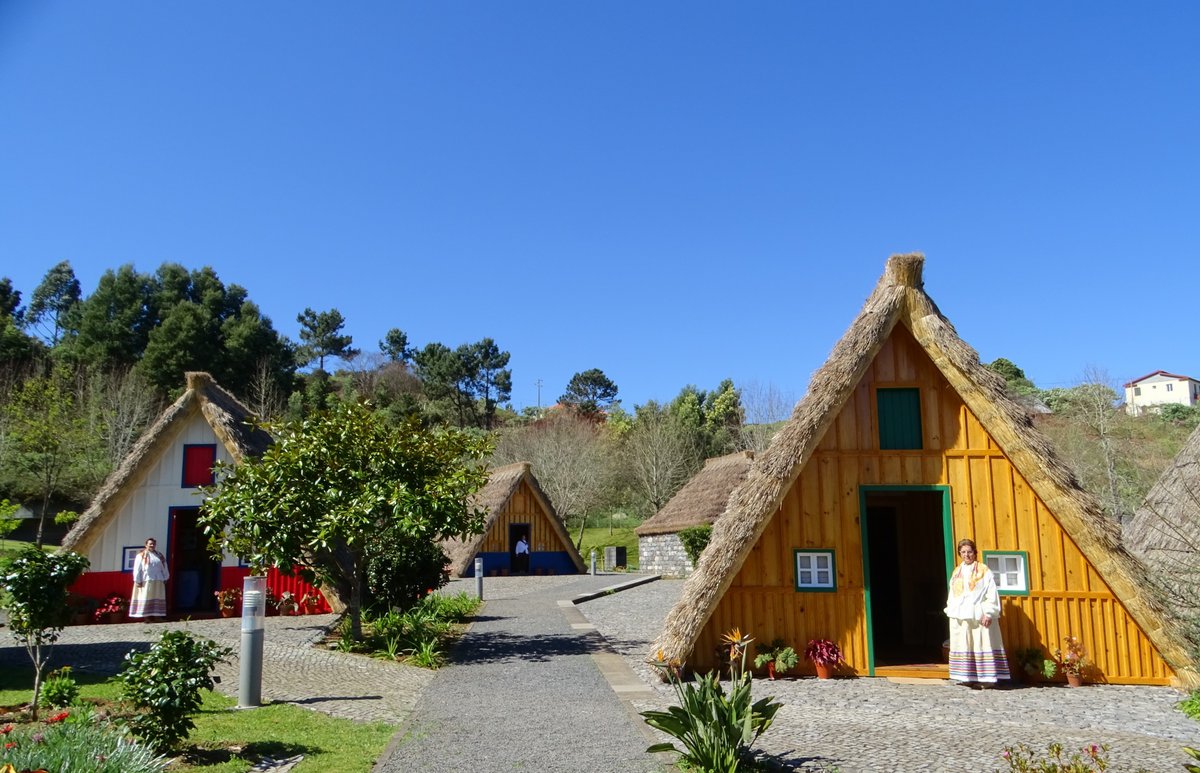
959	484
523	508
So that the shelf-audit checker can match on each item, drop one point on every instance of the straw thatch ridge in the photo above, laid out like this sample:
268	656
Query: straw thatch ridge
1165	531
899	297
703	498
230	421
493	498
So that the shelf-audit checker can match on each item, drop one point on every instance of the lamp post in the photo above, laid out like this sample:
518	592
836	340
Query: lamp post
254	607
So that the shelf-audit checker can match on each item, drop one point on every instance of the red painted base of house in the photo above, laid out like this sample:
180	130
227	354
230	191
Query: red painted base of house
97	585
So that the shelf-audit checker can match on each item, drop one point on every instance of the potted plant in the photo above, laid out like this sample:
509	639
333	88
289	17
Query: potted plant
825	655
309	603
1072	661
1030	663
287	604
80	608
778	658
111	609
228	600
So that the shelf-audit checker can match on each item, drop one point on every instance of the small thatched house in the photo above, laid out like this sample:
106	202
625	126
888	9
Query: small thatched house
155	493
517	509
698	503
845	528
1165	532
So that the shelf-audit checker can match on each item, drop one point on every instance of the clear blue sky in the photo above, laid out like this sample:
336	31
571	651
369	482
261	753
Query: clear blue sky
672	192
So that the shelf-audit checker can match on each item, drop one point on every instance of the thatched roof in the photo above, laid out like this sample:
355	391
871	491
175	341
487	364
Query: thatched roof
900	298
703	498
1165	531
228	419
493	498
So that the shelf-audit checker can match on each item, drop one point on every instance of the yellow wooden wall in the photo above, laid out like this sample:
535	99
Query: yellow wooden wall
991	503
523	507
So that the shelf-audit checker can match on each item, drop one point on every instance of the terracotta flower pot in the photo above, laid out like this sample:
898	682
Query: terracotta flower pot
824	670
227	611
1074	680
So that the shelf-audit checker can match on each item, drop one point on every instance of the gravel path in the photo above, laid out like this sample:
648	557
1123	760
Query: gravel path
868	725
522	693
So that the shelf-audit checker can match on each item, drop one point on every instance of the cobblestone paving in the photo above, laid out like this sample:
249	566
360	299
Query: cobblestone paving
294	671
861	725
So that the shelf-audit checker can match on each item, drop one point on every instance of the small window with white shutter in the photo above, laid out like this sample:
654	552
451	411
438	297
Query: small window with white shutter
1010	570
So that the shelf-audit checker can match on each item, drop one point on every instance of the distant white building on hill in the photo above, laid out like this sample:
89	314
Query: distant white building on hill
1152	391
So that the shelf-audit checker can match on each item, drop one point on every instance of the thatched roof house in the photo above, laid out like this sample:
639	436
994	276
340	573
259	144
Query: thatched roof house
155	492
1165	532
516	508
845	527
701	500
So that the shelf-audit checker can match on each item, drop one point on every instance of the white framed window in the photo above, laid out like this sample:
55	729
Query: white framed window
1170	387
128	554
1010	570
815	570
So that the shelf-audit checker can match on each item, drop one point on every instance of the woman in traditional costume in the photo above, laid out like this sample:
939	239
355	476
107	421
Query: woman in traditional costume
150	577
973	606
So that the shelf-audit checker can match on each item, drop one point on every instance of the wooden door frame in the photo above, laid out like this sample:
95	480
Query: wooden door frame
947	538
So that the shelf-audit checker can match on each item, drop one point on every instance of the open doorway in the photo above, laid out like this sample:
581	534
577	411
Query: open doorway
518	547
195	574
905	537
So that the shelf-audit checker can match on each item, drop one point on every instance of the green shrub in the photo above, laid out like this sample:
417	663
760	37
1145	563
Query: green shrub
60	688
164	686
83	745
1190	705
401	570
695	540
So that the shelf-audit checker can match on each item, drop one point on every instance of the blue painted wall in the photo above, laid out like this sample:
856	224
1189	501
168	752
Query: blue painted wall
548	561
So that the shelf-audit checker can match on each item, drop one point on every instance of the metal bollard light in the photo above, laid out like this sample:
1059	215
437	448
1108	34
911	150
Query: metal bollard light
593	561
479	578
254	608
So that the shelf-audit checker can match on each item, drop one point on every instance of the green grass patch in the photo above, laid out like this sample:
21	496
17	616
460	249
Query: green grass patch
11	547
229	741
600	537
1190	705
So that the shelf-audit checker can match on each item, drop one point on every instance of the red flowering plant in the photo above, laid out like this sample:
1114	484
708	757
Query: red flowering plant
823	651
228	598
113	603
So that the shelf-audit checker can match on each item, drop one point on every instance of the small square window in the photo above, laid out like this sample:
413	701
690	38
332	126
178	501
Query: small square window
128	555
815	570
1137	390
1010	570
1170	387
198	464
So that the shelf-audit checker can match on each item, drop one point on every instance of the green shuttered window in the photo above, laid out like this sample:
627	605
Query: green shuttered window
899	418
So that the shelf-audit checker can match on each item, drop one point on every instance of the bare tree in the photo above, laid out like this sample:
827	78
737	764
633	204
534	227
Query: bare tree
264	397
121	404
661	455
572	458
765	406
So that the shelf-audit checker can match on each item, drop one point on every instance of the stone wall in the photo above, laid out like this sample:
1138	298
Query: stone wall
663	554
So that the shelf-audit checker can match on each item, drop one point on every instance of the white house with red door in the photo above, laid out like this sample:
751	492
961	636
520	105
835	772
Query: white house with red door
156	492
1154	390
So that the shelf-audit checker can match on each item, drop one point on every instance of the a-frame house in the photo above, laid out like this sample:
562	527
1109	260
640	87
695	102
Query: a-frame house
156	492
698	503
515	507
845	527
1165	534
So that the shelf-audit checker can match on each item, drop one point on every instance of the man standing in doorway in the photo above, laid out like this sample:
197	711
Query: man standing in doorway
522	560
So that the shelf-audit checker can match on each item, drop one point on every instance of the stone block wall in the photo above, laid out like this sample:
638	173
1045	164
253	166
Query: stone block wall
663	554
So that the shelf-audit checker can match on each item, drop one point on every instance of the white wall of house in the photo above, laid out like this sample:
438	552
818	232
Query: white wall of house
1160	389
144	513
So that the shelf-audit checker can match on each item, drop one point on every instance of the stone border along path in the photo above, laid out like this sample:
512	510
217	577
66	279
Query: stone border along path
870	725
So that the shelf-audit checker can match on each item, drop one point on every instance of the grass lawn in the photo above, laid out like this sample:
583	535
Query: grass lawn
10	547
598	537
230	741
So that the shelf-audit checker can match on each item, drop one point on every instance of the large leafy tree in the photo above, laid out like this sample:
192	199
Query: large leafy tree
321	336
115	320
473	379
661	454
54	302
315	500
47	434
589	393
34	585
15	346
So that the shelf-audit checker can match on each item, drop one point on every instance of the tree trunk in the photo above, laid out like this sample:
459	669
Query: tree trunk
582	526
42	518
356	596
